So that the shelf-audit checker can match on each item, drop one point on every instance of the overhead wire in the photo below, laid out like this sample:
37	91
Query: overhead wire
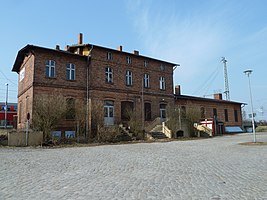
208	82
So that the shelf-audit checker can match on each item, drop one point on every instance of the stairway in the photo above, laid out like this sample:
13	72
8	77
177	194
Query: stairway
157	133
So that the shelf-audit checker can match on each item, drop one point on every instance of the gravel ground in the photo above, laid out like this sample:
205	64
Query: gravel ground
214	168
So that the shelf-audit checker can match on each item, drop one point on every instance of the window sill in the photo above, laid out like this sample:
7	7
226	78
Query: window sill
110	83
49	77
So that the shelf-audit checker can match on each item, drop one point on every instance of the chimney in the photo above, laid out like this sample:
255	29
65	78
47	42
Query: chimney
217	96
178	90
67	48
119	48
57	47
80	38
136	52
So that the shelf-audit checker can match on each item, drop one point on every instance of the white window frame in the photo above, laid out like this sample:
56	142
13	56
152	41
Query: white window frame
22	74
146	81
129	78
146	63
109	56
51	66
128	60
71	70
109	75
162	83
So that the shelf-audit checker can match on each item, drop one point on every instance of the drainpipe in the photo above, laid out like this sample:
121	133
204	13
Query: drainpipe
87	136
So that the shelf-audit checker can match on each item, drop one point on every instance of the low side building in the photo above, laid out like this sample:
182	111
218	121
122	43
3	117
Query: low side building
225	113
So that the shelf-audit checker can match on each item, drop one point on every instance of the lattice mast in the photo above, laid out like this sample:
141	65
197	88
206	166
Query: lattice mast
226	84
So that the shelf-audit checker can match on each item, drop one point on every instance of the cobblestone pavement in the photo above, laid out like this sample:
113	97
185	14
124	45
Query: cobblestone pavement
214	168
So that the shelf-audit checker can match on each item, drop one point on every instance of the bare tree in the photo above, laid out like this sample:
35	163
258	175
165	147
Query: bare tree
174	118
80	118
193	115
135	123
47	113
97	112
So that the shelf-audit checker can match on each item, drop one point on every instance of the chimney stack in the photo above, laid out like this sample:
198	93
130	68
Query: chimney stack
217	96
80	38
119	48
136	52
178	90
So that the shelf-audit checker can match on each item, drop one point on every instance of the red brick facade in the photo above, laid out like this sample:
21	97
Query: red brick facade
115	78
31	61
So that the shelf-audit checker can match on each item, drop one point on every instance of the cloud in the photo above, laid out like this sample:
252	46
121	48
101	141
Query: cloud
192	40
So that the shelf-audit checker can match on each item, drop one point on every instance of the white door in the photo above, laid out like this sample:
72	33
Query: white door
109	113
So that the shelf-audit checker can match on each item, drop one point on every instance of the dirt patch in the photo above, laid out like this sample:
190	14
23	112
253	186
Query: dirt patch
254	143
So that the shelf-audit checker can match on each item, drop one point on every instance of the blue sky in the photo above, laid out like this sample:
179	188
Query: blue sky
193	33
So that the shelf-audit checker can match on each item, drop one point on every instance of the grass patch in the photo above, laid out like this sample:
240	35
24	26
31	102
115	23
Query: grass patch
261	129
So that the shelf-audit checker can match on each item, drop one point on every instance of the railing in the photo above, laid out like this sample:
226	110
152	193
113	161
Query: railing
149	126
166	130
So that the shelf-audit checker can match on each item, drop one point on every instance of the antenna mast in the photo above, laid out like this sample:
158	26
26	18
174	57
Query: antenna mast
226	85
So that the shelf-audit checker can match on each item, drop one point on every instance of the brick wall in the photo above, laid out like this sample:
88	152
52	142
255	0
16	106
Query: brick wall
220	106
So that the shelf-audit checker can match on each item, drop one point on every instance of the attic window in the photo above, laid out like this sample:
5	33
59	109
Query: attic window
109	56
21	74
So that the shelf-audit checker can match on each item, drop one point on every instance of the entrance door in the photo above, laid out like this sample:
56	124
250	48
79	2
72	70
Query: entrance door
162	108
109	113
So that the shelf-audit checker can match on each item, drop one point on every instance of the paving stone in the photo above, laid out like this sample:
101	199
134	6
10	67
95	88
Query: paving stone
215	168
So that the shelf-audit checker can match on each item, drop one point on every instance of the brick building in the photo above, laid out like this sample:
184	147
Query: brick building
225	113
119	80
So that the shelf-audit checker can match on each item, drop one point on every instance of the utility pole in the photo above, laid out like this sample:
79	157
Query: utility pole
226	84
6	105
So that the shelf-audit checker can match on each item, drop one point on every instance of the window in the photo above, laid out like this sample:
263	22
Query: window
128	60
50	66
129	78
109	75
183	112
70	71
109	56
162	84
22	74
70	114
162	67
202	112
236	115
215	112
145	63
146	80
20	110
226	115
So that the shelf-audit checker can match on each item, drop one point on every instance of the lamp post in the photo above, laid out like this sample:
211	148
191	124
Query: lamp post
248	72
6	105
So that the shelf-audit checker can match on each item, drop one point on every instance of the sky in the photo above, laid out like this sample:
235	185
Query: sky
194	33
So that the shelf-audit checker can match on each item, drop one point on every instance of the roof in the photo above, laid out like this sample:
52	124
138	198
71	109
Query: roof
30	49
128	53
185	97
